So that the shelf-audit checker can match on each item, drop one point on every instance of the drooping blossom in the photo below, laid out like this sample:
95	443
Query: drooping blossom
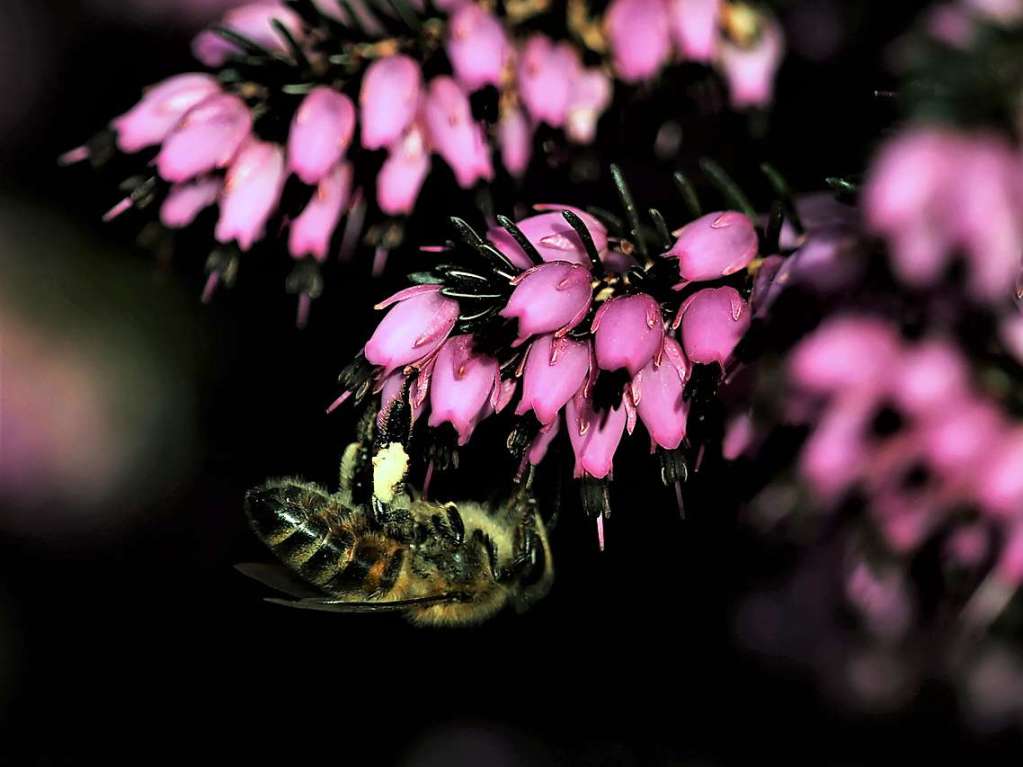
311	232
251	193
403	173
460	386
714	246
639	36
389	100
253	21
419	321
628	333
713	321
186	201
477	46
546	72
595	436
750	69
694	27
161	108
552	237
454	134
555	369
657	391
515	137
550	297
590	97
206	138
320	134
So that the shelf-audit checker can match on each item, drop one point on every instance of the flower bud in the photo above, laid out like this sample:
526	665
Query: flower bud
320	134
713	322
460	386
206	138
639	36
253	21
252	190
553	237
750	71
403	173
477	47
629	331
590	96
161	108
555	369
546	74
549	297
454	134
694	27
415	328
186	201
311	232
389	100
657	393
594	436
714	246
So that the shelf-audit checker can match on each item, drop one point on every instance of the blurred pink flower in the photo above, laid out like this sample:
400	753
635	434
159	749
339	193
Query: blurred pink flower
389	100
477	47
206	138
694	27
515	137
454	134
546	74
253	21
750	71
639	36
403	173
186	201
161	108
252	191
311	232
320	134
590	96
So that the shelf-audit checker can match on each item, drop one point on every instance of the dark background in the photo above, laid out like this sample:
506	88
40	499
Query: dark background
128	637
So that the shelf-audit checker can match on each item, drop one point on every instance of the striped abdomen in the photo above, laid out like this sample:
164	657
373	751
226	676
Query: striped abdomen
304	527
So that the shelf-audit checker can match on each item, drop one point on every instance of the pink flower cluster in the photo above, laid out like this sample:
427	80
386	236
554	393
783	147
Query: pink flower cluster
902	423
935	193
645	35
573	326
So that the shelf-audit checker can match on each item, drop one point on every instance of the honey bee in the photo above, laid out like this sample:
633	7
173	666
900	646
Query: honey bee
439	563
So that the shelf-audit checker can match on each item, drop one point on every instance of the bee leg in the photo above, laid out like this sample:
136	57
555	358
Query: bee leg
490	549
449	525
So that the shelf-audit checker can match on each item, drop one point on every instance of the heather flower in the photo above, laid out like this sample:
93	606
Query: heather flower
251	193
206	138
515	138
454	134
253	21
311	232
657	392
320	134
477	47
714	246
639	36
628	333
416	326
694	27
549	297
403	173
460	386
161	108
847	352
186	201
595	436
590	96
750	69
538	449
552	237
713	321
546	73
389	100
554	371
1000	484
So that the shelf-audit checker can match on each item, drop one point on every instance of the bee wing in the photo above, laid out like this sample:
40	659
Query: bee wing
332	605
278	578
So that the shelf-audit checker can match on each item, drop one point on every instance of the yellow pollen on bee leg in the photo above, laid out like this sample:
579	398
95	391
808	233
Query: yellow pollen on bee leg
390	465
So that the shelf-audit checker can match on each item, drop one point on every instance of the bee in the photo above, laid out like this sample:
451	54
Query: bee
447	564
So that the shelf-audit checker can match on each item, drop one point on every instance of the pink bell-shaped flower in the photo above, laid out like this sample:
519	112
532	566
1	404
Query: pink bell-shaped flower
460	386
454	134
546	74
253	21
629	332
311	232
657	393
477	47
590	96
414	329
206	138
549	297
186	201
714	320
715	246
542	442
161	108
845	353
639	35
750	71
1000	481
555	369
389	100
594	436
320	134
694	27
515	137
553	237
252	190
403	173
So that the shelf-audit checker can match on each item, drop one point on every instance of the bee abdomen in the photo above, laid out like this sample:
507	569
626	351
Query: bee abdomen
298	522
